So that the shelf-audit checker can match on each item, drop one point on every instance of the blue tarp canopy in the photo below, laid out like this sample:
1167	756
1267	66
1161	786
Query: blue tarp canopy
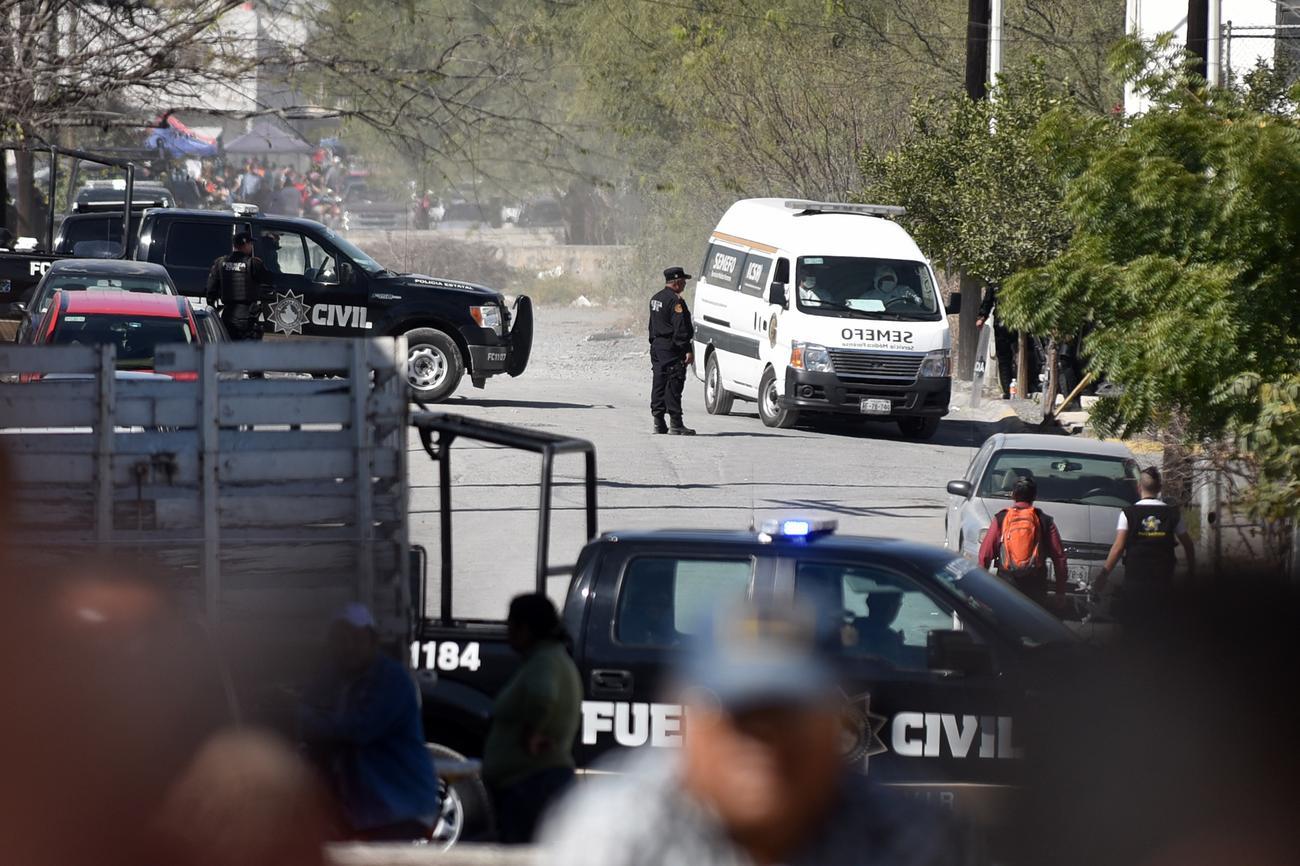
178	140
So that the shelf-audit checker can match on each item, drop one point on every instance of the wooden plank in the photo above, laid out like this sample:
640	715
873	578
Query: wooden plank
104	443
296	356
238	468
274	604
209	436
25	406
317	409
361	432
153	413
50	359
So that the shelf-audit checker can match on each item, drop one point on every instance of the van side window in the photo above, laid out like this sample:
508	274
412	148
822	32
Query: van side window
753	279
723	267
197	244
782	274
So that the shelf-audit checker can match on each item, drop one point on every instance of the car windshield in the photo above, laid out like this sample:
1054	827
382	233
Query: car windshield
84	282
1062	476
135	336
891	289
1017	616
353	252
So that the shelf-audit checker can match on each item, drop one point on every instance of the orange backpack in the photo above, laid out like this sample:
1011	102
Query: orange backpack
1021	542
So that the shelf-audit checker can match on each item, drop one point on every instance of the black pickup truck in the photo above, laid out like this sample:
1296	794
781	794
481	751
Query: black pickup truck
324	286
937	655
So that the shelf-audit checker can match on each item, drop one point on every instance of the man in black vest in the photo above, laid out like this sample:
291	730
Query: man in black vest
671	336
240	281
1146	536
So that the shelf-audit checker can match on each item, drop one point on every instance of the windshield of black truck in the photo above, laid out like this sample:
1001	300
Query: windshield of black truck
849	286
354	252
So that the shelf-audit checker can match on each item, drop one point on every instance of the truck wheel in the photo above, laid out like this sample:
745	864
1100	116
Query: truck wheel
717	399
768	407
434	366
919	429
465	810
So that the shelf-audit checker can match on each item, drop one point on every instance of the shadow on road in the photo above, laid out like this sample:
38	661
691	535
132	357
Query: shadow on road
522	404
853	510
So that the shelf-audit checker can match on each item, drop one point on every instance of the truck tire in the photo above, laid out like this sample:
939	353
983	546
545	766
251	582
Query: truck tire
768	408
465	810
434	366
717	399
919	429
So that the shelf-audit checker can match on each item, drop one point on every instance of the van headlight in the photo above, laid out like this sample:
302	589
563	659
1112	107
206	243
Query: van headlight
810	357
487	317
936	364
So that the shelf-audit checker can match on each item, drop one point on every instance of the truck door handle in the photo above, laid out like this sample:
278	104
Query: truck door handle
617	682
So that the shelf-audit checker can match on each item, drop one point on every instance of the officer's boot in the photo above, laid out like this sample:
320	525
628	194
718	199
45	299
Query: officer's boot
678	428
660	426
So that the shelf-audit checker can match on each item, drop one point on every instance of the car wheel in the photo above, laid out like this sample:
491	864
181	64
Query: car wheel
434	366
919	428
464	808
769	409
717	399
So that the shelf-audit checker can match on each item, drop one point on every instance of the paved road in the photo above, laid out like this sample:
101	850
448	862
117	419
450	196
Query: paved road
734	473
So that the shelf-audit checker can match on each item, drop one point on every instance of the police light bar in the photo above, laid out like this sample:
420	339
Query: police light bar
242	209
815	207
797	528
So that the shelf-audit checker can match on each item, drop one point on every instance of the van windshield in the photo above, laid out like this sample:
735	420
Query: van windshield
866	288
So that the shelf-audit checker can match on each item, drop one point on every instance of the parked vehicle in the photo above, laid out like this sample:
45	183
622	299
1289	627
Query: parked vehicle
821	307
937	654
1083	484
325	286
110	193
23	261
101	275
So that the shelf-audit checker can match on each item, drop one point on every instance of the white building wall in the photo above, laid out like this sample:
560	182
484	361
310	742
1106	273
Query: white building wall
1149	18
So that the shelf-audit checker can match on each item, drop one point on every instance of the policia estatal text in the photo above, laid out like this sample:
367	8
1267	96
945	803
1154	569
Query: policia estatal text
241	283
671	335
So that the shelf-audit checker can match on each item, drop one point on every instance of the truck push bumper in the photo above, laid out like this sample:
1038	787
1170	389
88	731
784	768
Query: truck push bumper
827	392
508	353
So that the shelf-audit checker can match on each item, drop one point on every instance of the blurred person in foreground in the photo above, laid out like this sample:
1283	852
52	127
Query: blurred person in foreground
361	721
528	756
759	778
1178	746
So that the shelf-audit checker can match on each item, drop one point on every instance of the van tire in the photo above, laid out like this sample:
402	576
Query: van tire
768	409
717	399
919	428
434	365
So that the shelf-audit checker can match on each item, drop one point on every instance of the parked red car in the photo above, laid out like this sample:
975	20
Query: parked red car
135	323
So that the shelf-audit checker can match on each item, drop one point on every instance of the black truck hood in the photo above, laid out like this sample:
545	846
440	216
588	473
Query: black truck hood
416	282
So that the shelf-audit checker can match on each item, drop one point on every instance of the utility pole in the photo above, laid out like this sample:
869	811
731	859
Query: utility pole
977	76
995	40
1214	44
1198	33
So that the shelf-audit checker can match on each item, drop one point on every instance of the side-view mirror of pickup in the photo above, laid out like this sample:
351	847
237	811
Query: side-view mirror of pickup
346	275
776	294
953	307
956	652
18	306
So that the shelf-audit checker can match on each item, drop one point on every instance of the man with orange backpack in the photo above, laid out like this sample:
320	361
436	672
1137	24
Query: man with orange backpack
1020	540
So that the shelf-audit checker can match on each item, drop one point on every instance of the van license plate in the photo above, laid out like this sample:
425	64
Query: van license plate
873	406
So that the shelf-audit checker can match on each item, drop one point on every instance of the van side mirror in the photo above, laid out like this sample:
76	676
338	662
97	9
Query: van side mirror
776	294
953	307
957	652
961	488
347	276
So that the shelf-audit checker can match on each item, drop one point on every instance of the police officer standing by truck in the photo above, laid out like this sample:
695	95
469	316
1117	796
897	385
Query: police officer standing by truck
671	336
240	281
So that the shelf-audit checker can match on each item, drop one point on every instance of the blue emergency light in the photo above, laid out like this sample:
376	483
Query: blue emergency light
797	529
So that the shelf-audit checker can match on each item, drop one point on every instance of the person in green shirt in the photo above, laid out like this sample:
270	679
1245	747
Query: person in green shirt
528	756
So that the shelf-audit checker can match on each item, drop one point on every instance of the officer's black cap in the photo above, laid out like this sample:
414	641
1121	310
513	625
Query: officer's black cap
671	274
242	238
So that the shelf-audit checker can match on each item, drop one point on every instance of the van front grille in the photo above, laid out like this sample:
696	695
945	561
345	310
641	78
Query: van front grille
884	366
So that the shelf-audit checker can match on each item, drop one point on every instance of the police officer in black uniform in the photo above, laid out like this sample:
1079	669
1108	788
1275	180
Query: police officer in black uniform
671	336
241	282
1147	535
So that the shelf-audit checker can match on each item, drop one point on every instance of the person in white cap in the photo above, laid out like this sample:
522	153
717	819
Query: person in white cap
362	722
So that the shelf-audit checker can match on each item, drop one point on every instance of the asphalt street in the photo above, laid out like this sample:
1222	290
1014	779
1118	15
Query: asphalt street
734	474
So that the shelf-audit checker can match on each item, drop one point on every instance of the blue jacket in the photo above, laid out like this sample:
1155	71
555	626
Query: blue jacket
371	735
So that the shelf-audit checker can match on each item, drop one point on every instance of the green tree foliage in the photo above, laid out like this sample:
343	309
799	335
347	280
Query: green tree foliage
1182	263
984	181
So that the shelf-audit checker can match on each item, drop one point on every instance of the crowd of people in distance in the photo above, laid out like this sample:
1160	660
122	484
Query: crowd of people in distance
277	189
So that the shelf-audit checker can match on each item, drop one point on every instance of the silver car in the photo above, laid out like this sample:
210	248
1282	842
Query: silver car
1082	483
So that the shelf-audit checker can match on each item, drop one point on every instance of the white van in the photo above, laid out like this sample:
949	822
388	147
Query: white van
821	307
